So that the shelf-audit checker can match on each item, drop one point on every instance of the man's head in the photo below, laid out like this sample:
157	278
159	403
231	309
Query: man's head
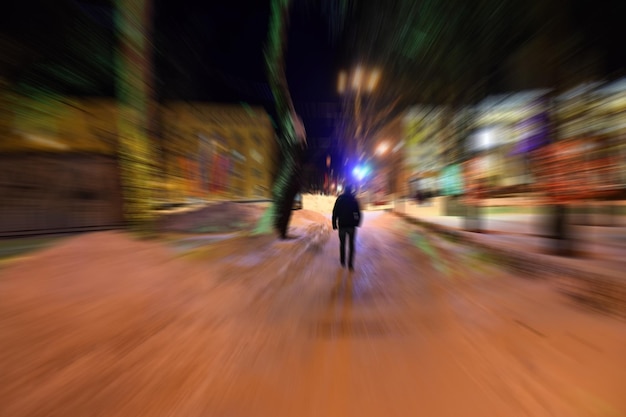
349	189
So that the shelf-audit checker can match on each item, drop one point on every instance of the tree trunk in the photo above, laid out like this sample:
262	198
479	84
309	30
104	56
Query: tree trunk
285	189
134	91
291	135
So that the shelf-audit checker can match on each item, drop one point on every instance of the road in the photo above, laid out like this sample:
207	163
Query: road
251	326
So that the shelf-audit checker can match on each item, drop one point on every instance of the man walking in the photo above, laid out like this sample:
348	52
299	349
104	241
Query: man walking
346	216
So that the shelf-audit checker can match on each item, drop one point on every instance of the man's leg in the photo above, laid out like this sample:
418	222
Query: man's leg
352	233
342	246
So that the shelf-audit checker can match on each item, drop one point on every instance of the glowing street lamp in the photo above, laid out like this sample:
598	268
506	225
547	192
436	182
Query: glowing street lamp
373	80
362	82
382	148
357	78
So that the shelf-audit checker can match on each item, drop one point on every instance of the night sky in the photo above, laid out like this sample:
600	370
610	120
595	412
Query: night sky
217	48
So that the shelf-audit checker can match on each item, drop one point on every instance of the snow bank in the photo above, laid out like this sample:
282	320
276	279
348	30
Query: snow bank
95	264
228	217
312	227
319	203
215	218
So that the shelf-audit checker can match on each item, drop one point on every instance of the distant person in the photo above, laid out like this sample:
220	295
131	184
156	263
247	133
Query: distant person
346	217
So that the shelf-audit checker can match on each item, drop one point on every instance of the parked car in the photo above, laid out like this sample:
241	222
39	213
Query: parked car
297	202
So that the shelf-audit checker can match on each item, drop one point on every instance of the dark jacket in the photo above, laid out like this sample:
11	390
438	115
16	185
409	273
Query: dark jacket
346	212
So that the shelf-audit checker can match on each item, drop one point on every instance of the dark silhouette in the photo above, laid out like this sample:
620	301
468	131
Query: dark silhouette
346	217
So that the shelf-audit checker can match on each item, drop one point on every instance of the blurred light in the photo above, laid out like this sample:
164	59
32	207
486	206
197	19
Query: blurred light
382	148
339	187
360	172
52	143
341	84
373	81
358	77
486	139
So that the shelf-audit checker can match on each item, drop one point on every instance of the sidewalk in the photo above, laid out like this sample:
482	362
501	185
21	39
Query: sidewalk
520	242
603	243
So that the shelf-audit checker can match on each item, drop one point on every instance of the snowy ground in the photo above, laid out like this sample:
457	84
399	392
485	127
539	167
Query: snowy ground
318	203
251	326
219	217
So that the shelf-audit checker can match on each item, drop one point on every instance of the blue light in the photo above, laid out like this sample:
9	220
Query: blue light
360	172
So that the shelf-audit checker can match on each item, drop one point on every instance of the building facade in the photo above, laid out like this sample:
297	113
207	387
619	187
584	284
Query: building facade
570	145
59	167
218	152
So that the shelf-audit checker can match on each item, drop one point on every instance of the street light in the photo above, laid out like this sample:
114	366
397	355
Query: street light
373	81
360	80
357	78
382	148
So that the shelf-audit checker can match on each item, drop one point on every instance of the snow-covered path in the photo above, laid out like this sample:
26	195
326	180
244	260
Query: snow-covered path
251	326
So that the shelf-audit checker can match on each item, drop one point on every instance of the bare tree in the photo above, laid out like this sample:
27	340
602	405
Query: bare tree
290	129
